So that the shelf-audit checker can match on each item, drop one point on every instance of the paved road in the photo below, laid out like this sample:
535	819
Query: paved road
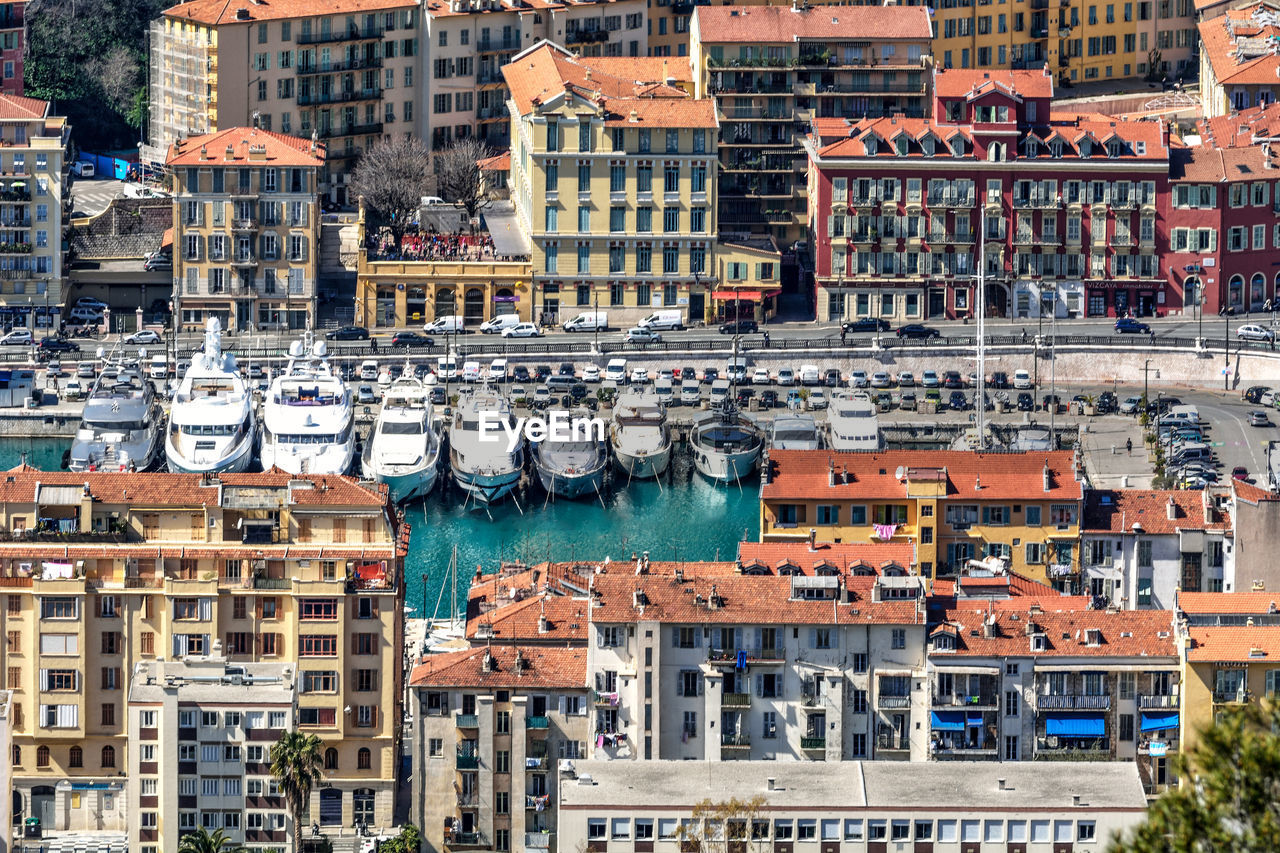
94	195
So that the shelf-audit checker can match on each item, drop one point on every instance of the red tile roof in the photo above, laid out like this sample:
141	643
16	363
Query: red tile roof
743	599
1244	603
18	106
1117	511
786	24
1234	644
1250	493
214	12
803	474
1239	129
211	149
547	668
547	72
522	621
1238	46
496	163
965	83
1123	633
843	557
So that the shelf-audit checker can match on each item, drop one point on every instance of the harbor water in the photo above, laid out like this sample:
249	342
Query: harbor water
685	518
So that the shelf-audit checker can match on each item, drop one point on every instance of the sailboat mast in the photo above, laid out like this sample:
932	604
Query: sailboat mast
979	394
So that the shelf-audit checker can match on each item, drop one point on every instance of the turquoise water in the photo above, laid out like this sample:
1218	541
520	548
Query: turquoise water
687	519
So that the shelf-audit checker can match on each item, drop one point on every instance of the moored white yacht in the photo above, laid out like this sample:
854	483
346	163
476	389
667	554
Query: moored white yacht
639	436
485	467
307	416
852	423
212	427
572	467
121	424
403	448
795	431
726	444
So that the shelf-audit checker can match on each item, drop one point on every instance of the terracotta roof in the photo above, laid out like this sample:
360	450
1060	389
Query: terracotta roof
1244	603
1238	46
963	82
785	24
804	474
743	599
521	621
280	149
214	12
1250	493
496	163
186	490
1122	633
1239	129
1234	644
546	668
442	9
843	557
1117	511
547	72
19	106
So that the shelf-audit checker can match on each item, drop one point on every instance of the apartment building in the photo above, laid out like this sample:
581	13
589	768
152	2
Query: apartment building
490	726
604	131
1228	665
122	570
344	74
1238	69
861	807
1052	681
1140	547
34	210
246	229
200	734
468	41
953	506
12	39
771	69
6	767
1256	516
1223	244
1065	214
816	667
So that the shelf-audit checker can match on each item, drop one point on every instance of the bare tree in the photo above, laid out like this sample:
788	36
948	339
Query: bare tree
392	176
458	173
118	74
729	826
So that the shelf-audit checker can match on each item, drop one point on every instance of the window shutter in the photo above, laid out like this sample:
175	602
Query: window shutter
44	680
831	226
680	685
599	682
759	685
206	609
373	604
675	637
697	638
564	705
208	649
700	679
737	638
813	638
986	515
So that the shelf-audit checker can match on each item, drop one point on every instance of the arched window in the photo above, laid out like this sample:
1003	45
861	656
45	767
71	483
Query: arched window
108	757
42	756
76	757
331	759
1257	290
364	758
1235	291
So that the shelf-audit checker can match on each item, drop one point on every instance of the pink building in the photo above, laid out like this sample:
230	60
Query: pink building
11	39
1065	213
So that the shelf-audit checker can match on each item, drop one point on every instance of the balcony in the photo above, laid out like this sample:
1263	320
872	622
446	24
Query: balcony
498	45
740	740
610	699
1230	697
961	700
1153	701
343	97
585	36
460	840
242	225
242	259
273	583
374	129
468	760
349	34
1073	702
468	721
355	64
893	743
1096	750
736	700
808	743
535	762
1164	746
893	701
750	655
537	722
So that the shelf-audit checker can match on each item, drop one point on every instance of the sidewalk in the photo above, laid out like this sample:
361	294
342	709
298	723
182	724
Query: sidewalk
1107	462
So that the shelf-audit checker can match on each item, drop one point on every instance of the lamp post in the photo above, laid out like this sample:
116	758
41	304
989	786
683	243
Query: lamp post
1226	351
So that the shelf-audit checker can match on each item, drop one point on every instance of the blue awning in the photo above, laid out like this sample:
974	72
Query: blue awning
948	721
1075	725
973	719
1159	722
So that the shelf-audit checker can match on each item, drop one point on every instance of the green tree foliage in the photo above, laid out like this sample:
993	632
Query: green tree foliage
295	764
90	58
201	841
1229	799
408	841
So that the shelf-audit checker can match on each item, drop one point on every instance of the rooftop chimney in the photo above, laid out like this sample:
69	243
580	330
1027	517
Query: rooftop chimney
1048	480
1171	509
831	472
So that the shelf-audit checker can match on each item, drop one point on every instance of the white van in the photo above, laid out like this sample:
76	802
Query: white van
83	169
159	367
719	392
662	388
447	367
588	321
663	321
1022	380
84	314
737	369
471	371
810	375
368	370
690	392
451	323
616	371
497	324
498	370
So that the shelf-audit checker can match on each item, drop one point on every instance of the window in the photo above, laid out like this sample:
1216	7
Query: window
317	645
899	638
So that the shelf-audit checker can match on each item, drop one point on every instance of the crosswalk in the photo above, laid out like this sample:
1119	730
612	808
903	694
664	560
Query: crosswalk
94	196
98	842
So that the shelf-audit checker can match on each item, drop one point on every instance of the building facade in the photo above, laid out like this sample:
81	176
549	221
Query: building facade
246	226
1238	69
13	31
303	571
771	69
200	736
613	175
1228	665
346	77
1064	215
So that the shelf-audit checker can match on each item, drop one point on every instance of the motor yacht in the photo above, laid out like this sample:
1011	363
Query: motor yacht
852	423
308	416
121	424
212	423
639	436
485	466
403	448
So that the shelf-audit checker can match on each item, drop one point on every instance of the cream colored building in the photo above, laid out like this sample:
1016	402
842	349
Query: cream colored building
346	74
103	573
613	173
246	225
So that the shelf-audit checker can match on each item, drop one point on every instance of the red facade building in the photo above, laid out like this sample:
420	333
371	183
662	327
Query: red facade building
11	41
1065	213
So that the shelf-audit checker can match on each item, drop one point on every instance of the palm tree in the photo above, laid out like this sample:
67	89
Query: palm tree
295	764
201	841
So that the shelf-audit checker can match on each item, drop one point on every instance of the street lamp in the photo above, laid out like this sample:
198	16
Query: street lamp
1226	350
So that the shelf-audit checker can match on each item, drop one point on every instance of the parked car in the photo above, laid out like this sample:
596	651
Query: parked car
768	399
999	380
831	378
1254	393
739	327
1128	325
591	373
158	263
786	376
917	331
542	373
348	333
1022	380
20	337
1130	405
710	374
881	379
142	336
1239	473
522	330
761	376
411	339
744	396
688	374
930	379
641	336
1254	332
1259	419
818	399
858	379
865	324
1026	402
1051	400
906	379
364	394
520	373
639	375
951	379
958	401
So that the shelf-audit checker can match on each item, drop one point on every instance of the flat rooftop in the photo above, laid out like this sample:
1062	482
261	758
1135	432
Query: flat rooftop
854	785
213	681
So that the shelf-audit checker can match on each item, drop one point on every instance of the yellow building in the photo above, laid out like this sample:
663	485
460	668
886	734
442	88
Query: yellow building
101	572
246	224
613	173
749	270
955	506
1224	666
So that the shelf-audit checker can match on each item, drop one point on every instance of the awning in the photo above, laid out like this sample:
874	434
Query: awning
973	719
1075	725
743	295
947	721
1159	722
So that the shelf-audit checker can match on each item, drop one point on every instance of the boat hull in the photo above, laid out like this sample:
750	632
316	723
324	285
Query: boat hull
330	460
106	456
403	484
642	466
586	484
725	467
235	462
487	488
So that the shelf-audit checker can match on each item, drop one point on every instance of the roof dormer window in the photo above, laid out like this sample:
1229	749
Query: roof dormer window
929	145
1055	149
1033	147
871	144
1086	148
901	143
944	643
957	146
1039	643
1114	148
